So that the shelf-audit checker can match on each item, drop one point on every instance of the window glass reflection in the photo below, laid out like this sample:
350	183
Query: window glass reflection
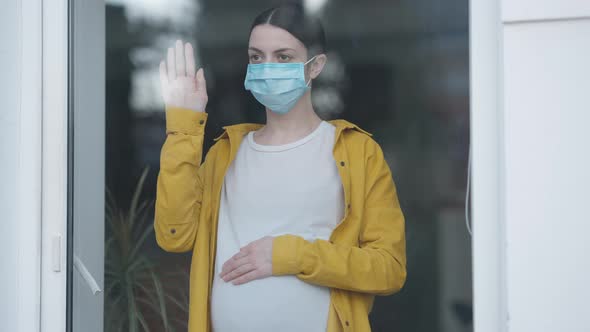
398	69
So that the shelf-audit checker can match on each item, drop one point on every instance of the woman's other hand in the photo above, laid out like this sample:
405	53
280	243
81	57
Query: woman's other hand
181	86
254	261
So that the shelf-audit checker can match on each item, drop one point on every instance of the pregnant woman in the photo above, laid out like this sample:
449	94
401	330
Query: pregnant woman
295	224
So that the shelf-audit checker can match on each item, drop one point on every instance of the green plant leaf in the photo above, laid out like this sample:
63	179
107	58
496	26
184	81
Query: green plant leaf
161	299
140	241
133	287
132	310
136	195
178	303
142	321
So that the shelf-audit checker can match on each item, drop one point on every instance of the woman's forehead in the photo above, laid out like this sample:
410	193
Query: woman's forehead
268	37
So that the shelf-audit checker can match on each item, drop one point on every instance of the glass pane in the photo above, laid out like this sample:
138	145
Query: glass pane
86	167
398	69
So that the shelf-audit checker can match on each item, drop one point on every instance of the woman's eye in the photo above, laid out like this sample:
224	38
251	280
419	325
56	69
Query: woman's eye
284	57
255	57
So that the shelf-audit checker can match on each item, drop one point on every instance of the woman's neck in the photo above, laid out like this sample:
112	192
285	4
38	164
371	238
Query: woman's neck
286	128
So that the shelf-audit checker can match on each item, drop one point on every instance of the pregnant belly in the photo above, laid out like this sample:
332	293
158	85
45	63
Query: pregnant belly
276	303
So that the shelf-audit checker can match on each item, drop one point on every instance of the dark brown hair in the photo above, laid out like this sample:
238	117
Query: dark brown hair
293	19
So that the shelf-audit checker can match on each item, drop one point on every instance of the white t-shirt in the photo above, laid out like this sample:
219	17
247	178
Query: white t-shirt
272	190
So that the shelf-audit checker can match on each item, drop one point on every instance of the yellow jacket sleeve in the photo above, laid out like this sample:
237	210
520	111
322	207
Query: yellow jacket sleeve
377	265
180	180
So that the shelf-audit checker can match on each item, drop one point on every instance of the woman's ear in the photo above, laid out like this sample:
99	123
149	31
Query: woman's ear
317	65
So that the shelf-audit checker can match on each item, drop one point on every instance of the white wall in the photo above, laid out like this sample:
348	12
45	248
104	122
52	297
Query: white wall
546	152
9	122
530	78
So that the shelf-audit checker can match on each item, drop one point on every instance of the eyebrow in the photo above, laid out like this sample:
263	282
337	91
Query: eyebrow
276	51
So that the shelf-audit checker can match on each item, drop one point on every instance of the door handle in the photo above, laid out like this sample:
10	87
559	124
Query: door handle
86	275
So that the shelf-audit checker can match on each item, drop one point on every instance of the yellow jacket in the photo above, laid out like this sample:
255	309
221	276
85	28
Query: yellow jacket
365	255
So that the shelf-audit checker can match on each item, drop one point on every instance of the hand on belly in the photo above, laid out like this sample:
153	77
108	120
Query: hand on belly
253	261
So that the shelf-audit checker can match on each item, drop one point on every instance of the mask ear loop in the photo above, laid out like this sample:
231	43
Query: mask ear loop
308	61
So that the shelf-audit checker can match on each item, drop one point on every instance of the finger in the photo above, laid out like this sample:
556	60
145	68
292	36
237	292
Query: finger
230	264
233	262
163	74
201	83
179	52
239	271
233	259
189	58
171	65
240	254
252	275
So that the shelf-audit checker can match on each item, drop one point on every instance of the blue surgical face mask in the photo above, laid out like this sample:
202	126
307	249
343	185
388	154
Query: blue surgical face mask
278	86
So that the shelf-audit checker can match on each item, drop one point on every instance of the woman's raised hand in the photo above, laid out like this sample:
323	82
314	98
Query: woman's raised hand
181	87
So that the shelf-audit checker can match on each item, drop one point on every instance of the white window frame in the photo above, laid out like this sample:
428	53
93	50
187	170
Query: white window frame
54	165
61	281
488	243
29	198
